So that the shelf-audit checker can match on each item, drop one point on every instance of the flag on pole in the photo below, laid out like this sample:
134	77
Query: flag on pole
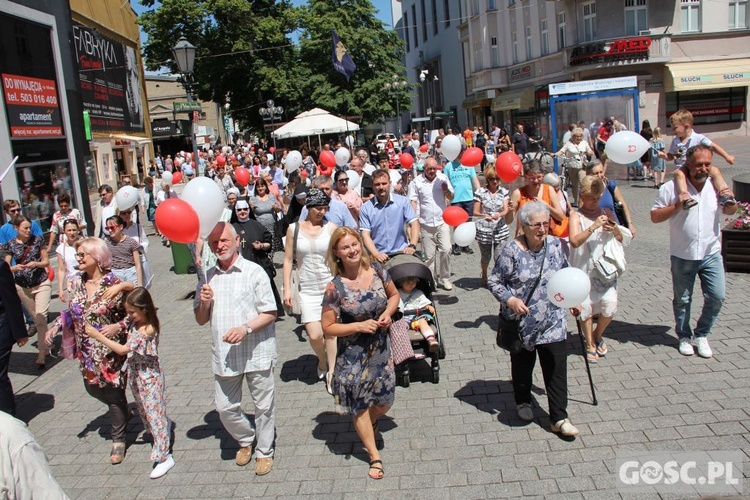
342	61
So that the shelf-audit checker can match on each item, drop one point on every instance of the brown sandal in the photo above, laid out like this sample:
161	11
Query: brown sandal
376	465
117	455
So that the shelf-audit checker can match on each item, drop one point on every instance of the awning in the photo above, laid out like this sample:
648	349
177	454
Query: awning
475	103
514	99
707	74
132	138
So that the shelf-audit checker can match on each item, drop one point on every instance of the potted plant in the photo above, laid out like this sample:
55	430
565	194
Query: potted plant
735	240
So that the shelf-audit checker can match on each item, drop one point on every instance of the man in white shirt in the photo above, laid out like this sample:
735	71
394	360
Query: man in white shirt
238	300
427	194
106	208
695	249
367	167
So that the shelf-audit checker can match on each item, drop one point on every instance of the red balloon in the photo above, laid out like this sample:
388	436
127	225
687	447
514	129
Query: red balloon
453	216
176	177
323	170
221	160
406	160
303	173
242	175
424	148
177	220
472	157
508	166
50	273
192	164
328	159
272	150
177	162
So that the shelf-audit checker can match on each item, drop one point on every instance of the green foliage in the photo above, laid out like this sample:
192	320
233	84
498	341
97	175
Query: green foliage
246	54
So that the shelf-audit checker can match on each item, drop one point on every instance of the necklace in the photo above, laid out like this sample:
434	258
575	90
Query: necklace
358	278
586	211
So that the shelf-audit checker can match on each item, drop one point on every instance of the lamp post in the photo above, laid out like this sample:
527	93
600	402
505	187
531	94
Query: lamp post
184	55
270	112
396	86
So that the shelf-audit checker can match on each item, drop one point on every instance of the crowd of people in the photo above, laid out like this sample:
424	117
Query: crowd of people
338	229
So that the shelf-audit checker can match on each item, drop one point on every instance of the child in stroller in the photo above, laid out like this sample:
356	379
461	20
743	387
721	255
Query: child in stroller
418	310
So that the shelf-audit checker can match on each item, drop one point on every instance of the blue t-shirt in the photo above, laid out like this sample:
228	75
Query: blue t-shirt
608	202
385	222
462	179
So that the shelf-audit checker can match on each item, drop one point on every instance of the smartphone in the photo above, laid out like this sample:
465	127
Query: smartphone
610	222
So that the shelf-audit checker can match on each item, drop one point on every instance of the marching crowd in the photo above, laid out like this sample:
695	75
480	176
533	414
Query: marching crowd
338	225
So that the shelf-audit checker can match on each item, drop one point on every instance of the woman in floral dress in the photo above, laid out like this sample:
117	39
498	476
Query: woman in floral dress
96	299
357	308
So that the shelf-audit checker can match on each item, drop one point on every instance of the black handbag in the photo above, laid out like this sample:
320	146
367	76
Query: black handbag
508	330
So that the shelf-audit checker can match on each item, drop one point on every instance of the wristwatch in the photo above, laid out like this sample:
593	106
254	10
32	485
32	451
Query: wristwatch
412	245
249	330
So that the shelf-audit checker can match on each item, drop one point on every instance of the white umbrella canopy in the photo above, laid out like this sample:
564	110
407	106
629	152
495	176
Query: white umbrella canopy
314	122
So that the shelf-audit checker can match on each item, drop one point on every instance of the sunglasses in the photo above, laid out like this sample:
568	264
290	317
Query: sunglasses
490	179
243	209
15	210
112	227
80	255
343	181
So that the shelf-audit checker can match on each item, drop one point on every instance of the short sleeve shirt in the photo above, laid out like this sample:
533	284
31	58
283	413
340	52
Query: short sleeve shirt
385	222
122	252
462	179
679	148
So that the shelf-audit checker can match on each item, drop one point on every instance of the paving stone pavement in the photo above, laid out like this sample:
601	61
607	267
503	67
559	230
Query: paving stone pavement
460	438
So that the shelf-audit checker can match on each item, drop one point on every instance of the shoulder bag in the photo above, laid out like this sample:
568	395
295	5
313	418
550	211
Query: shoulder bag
508	330
619	209
294	285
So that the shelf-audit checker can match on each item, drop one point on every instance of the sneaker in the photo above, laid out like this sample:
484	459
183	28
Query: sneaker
243	455
704	351
456	251
162	468
467	250
688	204
686	347
525	412
565	428
263	466
446	284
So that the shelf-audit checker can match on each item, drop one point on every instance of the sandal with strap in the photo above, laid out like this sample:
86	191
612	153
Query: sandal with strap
117	455
592	356
601	349
380	472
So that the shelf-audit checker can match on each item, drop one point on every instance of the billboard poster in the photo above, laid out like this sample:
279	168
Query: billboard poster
109	79
33	110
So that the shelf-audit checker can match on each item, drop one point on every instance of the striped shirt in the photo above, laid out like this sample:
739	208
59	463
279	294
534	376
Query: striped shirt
241	293
122	252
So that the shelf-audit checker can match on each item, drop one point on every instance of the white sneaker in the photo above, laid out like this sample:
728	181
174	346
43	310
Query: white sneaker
686	347
565	428
162	468
704	351
525	412
446	284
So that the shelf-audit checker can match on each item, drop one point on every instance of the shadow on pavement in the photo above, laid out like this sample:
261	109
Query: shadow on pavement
303	369
31	404
496	397
23	363
489	319
646	335
103	426
468	283
214	428
337	431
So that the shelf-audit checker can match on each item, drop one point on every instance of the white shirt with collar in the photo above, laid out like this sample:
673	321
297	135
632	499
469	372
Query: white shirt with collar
241	293
430	198
693	233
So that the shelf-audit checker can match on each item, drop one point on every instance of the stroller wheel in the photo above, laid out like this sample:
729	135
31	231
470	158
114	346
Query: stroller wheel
435	375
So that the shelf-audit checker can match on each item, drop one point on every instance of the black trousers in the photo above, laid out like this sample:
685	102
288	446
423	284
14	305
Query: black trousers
554	362
115	399
7	399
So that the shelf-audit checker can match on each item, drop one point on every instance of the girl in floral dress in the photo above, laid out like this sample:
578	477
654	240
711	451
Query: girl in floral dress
146	377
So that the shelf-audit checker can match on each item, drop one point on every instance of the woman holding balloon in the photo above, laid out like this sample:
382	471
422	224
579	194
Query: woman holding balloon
519	281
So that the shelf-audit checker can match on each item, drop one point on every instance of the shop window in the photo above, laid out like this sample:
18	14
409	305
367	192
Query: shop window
711	105
561	42
636	16
38	186
589	21
545	37
690	15
737	14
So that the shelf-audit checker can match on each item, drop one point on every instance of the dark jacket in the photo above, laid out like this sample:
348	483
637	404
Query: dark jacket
15	326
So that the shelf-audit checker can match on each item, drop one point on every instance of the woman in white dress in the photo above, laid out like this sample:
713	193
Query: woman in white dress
577	152
67	264
313	237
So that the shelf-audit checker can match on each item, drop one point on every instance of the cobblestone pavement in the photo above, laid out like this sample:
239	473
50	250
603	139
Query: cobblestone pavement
459	438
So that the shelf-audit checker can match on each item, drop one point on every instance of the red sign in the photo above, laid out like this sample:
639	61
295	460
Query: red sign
624	49
33	110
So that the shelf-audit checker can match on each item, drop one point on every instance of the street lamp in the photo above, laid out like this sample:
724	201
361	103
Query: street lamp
428	92
271	112
396	86
184	55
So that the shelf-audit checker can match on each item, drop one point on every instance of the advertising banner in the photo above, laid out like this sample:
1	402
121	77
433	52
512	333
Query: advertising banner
109	79
33	110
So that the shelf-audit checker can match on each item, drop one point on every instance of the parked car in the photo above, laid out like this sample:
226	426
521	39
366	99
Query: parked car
384	138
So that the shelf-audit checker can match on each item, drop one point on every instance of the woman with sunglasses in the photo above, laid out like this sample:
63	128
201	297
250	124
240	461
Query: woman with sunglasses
29	253
96	299
350	197
519	281
59	218
136	231
126	261
67	264
490	210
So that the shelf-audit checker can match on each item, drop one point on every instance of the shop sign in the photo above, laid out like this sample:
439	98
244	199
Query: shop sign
110	81
186	107
162	128
32	106
624	49
623	82
520	73
709	79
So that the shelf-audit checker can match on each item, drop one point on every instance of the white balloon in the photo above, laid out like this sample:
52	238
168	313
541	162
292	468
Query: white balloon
354	179
126	197
451	147
293	161
166	177
568	287
206	198
490	158
625	147
465	234
342	156
226	150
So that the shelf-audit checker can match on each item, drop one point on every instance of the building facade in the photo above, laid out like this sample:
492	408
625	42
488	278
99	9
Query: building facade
688	53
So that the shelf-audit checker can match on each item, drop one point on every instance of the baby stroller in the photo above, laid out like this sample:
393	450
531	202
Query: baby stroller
401	266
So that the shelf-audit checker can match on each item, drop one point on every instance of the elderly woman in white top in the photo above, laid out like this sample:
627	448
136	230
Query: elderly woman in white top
592	229
576	151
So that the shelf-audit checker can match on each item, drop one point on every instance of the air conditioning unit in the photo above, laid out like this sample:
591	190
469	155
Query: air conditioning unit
644	32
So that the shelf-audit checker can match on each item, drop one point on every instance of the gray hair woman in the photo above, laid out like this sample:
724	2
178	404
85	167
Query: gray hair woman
534	254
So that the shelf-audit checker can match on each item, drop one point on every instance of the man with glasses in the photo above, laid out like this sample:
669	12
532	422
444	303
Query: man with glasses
427	194
364	187
338	212
106	208
12	208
